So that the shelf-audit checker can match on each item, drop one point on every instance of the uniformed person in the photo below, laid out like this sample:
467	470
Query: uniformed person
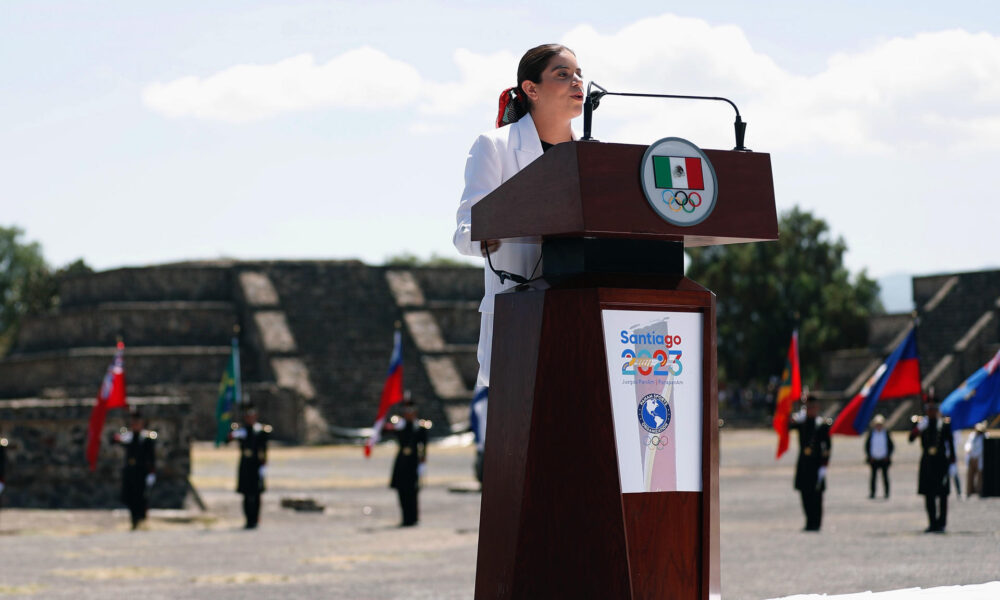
253	438
814	456
410	460
937	463
3	465
139	470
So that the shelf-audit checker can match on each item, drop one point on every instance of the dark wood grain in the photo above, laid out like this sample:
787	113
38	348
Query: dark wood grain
508	420
690	296
554	523
593	189
665	544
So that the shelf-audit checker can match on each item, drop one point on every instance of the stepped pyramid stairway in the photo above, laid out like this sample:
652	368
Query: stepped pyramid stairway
959	330
315	340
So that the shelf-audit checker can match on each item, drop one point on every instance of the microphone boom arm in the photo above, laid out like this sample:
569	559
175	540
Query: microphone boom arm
593	99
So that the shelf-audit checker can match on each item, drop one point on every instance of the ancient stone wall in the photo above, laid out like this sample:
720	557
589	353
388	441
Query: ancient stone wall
957	332
315	339
46	467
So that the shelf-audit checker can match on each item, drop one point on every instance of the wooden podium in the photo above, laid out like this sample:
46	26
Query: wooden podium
555	522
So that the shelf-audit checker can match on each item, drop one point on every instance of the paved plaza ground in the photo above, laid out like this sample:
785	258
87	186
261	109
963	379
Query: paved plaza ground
354	550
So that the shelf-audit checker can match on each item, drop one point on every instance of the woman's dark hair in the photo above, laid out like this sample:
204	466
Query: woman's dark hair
514	103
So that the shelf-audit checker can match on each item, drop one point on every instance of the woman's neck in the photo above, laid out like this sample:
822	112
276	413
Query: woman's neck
552	131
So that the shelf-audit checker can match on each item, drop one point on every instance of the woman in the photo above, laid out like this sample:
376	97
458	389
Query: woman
533	117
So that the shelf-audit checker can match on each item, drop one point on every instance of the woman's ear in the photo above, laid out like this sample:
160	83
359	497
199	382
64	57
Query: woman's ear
530	89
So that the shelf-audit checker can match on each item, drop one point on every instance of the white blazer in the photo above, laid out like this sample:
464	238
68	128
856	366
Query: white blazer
495	157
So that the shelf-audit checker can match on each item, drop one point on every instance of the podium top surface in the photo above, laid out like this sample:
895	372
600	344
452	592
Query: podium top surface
593	189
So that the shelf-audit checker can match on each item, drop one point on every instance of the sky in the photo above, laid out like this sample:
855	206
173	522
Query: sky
135	133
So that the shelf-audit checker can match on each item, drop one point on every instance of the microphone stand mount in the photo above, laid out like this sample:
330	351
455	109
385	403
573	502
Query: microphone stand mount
593	100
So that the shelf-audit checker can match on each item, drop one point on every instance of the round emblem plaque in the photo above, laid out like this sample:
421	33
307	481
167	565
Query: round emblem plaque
679	181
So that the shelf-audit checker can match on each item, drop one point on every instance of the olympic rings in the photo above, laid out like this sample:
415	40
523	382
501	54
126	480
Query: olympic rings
677	203
656	441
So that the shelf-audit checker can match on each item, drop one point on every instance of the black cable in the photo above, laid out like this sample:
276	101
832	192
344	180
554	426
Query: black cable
505	275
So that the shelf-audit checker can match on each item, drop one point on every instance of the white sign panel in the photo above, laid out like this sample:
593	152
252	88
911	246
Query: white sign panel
655	371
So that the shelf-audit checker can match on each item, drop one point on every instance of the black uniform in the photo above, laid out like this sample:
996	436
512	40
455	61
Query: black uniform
412	438
938	455
3	464
879	464
814	452
253	456
140	462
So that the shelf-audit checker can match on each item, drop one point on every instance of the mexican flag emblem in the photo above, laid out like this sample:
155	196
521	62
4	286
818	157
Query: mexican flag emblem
678	172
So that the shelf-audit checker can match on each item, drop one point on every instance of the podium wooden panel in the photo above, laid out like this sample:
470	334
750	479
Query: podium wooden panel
589	189
554	521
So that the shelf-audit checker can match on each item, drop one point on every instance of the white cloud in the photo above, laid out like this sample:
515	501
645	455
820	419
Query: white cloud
928	90
363	79
482	79
904	93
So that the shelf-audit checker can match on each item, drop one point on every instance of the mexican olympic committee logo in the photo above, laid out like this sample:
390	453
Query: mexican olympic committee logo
654	413
679	181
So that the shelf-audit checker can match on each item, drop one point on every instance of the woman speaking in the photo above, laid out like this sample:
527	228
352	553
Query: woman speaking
533	116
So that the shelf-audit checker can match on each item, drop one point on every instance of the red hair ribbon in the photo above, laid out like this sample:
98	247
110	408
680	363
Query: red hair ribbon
508	112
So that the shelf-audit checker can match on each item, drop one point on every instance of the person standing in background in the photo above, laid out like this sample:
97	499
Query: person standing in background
139	470
814	456
410	460
253	438
878	450
3	466
974	460
937	463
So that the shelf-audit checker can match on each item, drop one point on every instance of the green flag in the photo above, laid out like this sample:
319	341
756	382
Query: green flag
229	395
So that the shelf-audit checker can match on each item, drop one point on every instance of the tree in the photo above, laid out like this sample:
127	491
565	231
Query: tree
767	289
408	259
28	286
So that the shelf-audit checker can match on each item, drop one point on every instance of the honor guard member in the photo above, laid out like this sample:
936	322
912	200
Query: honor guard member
253	438
410	459
814	456
3	465
937	463
878	450
139	470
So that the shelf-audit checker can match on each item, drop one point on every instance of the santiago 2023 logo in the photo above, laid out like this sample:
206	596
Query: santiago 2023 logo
662	361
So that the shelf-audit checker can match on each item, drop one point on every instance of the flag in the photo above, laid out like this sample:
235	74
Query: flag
392	391
230	394
678	172
977	399
789	392
111	395
477	416
897	377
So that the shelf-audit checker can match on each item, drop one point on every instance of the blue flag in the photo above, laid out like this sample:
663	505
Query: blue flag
977	399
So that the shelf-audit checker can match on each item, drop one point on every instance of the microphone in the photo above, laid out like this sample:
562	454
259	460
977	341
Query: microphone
593	100
590	104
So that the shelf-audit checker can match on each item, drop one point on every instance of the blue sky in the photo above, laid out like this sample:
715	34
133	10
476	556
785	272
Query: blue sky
139	133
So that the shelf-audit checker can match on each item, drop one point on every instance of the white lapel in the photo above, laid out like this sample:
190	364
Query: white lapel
528	146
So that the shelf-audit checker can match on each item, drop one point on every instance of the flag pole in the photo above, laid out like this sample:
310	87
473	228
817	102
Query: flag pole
236	365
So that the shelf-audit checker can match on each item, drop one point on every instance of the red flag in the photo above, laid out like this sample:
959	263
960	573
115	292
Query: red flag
392	391
789	392
111	395
897	377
